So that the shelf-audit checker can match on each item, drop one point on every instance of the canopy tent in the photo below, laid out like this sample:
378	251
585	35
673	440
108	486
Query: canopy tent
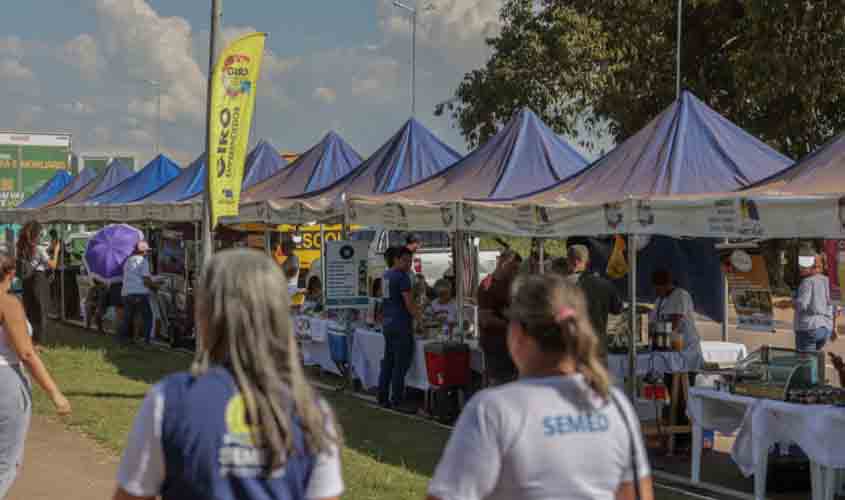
77	192
48	191
331	160
263	162
78	183
156	174
412	155
521	159
821	172
189	183
688	148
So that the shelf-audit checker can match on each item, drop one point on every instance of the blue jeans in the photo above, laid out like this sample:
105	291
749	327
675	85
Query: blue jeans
15	412
132	306
398	355
812	340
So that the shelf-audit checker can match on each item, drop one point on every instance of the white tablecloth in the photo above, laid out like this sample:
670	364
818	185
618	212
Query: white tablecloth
368	351
817	429
723	352
659	363
318	354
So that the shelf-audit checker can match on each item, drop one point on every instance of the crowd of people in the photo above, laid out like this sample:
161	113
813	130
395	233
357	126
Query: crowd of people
245	423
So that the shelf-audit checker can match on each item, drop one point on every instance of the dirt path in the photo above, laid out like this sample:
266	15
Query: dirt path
61	464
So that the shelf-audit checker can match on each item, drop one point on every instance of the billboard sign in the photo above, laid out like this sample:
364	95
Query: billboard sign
27	161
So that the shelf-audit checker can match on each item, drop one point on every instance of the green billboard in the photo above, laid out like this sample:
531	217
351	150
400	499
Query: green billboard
27	161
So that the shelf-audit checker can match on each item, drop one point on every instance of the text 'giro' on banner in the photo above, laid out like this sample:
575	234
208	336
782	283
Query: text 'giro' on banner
232	103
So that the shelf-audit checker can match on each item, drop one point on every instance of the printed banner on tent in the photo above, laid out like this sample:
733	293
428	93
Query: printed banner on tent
232	101
748	284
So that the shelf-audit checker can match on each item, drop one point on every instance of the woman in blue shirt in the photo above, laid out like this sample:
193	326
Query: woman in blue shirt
244	424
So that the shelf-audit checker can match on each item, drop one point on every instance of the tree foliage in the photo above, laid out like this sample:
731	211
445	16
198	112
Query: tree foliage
594	67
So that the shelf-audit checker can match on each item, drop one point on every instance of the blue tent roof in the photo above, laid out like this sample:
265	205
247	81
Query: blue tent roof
320	167
115	173
47	191
86	177
412	155
522	158
820	172
152	177
687	149
190	182
262	163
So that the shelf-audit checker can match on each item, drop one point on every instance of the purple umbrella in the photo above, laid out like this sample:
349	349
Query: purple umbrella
108	250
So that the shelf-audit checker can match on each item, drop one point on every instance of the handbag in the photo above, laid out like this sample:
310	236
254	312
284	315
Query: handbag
634	461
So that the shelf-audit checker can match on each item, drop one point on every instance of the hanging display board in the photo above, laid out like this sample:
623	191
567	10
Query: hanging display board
346	274
749	288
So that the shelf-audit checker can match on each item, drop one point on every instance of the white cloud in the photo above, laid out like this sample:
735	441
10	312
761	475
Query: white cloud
78	108
83	54
11	46
12	69
28	115
325	95
456	29
145	45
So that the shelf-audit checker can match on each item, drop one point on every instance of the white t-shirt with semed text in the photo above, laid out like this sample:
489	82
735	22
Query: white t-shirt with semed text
540	439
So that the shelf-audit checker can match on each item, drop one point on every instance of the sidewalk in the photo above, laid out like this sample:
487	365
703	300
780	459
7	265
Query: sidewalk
61	464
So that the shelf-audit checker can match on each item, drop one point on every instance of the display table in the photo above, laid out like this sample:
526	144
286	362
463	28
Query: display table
658	362
367	352
761	423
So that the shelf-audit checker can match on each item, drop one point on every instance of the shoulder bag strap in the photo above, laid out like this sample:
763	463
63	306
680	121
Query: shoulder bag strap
633	439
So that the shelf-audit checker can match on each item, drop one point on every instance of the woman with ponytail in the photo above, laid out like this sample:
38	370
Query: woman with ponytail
561	430
245	424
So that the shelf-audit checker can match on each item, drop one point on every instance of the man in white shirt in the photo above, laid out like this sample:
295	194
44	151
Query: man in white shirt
137	282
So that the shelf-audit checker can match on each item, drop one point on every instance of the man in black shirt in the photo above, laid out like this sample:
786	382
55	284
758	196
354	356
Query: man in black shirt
602	297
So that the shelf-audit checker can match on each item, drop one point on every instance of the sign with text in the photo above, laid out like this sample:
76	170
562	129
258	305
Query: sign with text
346	274
748	284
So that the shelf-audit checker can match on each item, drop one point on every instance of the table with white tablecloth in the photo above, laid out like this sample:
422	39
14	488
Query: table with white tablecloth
723	353
657	362
367	352
759	424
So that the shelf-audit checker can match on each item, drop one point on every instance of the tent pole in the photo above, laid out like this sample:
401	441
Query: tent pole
61	265
541	244
459	271
633	334
726	311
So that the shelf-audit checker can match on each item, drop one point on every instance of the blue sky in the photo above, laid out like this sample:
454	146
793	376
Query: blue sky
344	65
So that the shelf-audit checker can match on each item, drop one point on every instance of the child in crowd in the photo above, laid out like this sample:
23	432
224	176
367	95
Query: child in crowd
444	307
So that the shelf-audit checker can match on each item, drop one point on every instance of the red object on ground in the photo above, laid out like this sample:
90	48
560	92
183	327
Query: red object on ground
447	364
655	392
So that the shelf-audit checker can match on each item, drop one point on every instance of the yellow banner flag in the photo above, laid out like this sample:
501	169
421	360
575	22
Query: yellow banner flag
232	102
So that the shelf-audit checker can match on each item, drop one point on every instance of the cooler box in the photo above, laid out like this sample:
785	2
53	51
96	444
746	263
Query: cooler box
447	364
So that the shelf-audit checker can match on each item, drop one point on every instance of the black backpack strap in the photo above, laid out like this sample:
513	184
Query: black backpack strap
633	439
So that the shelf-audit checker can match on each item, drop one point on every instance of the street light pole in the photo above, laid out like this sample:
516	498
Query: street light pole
157	86
213	45
678	47
413	12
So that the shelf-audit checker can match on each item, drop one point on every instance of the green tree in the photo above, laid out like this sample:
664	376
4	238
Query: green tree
607	67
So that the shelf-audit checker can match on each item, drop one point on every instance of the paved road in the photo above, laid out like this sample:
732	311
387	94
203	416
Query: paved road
61	464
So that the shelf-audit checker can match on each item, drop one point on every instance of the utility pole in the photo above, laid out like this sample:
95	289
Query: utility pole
413	12
213	45
678	47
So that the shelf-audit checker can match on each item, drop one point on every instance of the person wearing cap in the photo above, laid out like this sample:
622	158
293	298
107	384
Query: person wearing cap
137	282
813	307
602	297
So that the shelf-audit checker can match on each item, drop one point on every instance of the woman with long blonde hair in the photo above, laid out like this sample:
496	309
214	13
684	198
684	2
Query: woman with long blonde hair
244	424
561	430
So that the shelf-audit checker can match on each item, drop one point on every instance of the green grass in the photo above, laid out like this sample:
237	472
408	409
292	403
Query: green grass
386	456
